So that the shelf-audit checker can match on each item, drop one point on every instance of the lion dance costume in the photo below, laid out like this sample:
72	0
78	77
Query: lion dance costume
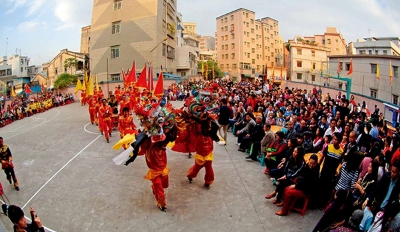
197	129
158	121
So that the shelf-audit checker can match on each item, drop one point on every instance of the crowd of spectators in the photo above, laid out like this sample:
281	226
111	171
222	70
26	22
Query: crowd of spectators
28	105
335	152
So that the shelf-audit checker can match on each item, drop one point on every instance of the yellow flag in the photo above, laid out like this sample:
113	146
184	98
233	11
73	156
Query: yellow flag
89	87
13	92
202	68
377	71
78	86
96	83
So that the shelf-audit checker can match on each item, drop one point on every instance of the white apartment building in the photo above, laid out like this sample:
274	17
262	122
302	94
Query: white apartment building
378	46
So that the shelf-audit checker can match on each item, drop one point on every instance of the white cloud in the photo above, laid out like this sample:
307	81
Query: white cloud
72	13
16	4
27	26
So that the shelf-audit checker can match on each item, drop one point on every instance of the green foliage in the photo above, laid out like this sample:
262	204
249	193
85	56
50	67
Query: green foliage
64	80
70	62
217	72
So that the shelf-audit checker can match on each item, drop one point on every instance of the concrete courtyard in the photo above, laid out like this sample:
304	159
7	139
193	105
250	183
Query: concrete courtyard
65	170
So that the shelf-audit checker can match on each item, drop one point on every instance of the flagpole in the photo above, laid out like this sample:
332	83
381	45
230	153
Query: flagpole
108	85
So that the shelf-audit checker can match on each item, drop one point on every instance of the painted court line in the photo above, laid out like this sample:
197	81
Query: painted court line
46	121
44	185
90	131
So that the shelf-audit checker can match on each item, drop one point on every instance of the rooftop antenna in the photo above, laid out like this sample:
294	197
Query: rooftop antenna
7	46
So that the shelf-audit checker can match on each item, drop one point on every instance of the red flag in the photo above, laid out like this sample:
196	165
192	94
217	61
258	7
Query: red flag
159	89
351	67
142	82
27	89
131	78
42	88
339	67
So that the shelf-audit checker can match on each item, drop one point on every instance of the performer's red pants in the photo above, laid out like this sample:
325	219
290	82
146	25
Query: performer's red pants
92	113
194	170
289	198
159	183
106	127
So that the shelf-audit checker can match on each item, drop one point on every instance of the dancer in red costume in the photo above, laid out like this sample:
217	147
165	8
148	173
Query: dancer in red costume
159	130
92	109
204	131
105	119
126	125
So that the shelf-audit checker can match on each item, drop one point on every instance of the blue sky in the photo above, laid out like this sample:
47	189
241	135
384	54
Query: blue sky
41	28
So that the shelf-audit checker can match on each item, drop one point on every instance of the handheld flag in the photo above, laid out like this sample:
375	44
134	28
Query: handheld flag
351	67
27	89
42	88
131	78
378	72
142	82
339	68
159	89
13	92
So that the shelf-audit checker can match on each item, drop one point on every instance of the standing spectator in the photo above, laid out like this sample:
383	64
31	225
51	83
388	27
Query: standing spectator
223	119
16	216
6	163
374	131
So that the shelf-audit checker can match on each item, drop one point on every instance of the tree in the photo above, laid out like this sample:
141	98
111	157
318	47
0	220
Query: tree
70	63
210	63
64	80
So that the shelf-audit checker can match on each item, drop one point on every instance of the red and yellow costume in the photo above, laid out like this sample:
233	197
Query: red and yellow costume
124	103
126	126
92	110
105	120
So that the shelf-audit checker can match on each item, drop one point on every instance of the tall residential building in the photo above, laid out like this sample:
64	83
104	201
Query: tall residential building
187	50
378	46
306	59
85	40
246	45
331	39
190	28
207	48
123	31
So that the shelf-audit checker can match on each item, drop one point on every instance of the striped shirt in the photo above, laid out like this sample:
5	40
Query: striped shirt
347	179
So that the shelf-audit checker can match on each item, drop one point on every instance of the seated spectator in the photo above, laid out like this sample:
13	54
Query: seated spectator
340	209
255	134
280	121
292	169
249	126
301	128
278	171
364	186
275	152
270	119
266	140
307	142
318	140
304	187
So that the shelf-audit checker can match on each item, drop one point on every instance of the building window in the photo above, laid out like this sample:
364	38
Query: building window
226	19
247	15
329	41
347	68
299	76
116	27
234	66
221	65
227	66
313	53
370	52
116	77
22	69
384	52
114	52
395	99
373	68
117	5
252	30
253	61
376	52
253	50
395	71
299	64
299	52
312	77
232	17
233	36
362	52
233	55
233	46
313	66
374	93
226	46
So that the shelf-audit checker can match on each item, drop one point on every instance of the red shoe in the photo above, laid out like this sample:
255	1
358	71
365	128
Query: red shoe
271	195
281	213
266	171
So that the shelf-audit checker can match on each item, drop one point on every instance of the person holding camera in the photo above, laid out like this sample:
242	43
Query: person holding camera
17	217
6	163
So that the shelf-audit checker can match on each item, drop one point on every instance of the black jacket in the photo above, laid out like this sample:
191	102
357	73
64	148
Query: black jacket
257	133
308	180
382	188
224	114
